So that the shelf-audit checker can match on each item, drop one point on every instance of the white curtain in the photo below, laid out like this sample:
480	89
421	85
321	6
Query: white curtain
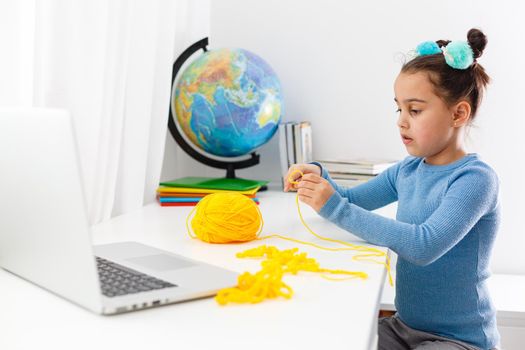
109	63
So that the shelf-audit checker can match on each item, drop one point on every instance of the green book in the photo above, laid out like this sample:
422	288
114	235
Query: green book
215	183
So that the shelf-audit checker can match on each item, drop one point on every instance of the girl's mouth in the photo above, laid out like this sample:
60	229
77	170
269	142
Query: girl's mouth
406	140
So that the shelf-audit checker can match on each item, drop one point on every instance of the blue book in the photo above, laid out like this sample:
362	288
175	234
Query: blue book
179	199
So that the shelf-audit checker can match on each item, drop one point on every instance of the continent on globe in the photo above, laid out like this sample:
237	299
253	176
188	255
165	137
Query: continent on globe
228	102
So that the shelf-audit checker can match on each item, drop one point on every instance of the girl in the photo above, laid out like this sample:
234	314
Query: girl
448	213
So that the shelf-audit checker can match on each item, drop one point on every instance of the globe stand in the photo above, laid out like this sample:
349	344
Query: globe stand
230	166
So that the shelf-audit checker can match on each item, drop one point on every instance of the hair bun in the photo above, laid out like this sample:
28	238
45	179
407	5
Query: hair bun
477	41
442	43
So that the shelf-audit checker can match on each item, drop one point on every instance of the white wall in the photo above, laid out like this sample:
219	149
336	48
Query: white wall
337	61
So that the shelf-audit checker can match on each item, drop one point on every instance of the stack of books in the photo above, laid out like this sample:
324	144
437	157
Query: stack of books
353	172
295	144
188	191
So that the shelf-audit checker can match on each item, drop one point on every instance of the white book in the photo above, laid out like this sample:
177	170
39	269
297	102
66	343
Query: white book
348	182
306	141
290	143
357	166
298	143
283	152
351	176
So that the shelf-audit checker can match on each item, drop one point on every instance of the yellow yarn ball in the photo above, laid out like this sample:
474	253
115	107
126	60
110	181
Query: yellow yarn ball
227	217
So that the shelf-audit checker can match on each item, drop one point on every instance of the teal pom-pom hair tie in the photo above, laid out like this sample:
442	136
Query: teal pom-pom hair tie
428	48
458	54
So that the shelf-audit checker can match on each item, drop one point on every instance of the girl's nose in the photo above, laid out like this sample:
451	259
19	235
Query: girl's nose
402	121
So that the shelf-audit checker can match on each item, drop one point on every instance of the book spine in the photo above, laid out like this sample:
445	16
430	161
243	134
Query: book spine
298	143
348	169
290	142
349	182
350	176
283	151
306	142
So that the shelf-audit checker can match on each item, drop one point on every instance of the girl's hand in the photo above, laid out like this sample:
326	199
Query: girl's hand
294	173
314	191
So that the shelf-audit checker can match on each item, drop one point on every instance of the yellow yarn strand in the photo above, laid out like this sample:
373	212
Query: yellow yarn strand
372	252
230	217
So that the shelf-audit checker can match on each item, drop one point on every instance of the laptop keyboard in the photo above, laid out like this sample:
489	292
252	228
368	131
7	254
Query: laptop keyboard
117	280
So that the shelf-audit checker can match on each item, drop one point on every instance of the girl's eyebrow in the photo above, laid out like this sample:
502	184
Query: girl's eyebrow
412	100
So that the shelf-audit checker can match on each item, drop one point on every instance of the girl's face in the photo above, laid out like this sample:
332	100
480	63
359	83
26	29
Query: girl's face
428	127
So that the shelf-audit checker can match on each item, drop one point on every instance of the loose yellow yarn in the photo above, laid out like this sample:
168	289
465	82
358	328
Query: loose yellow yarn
267	283
230	217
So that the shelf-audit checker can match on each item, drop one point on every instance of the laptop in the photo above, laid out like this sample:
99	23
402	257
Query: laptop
45	236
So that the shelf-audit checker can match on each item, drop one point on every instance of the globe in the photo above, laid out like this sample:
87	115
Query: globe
228	102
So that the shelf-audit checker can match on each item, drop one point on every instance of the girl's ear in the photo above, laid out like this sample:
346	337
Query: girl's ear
461	112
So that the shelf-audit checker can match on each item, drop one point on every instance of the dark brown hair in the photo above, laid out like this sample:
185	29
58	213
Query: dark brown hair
453	85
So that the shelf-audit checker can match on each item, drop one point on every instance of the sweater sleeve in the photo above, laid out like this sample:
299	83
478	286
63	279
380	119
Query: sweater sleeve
470	195
373	194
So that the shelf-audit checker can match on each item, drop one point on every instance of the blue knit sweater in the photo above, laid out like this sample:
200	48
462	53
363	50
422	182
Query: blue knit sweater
447	220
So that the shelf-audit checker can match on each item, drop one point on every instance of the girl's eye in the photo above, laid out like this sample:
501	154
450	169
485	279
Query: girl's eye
412	111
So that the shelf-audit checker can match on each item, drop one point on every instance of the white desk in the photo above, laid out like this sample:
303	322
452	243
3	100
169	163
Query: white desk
322	314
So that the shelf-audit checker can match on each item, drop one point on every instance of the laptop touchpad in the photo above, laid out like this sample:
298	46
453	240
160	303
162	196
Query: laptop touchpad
160	262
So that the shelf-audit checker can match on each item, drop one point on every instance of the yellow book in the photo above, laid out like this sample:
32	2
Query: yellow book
165	189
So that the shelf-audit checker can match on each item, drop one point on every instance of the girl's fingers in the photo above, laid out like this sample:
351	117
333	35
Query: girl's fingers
306	185
307	192
294	175
290	188
305	199
312	178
